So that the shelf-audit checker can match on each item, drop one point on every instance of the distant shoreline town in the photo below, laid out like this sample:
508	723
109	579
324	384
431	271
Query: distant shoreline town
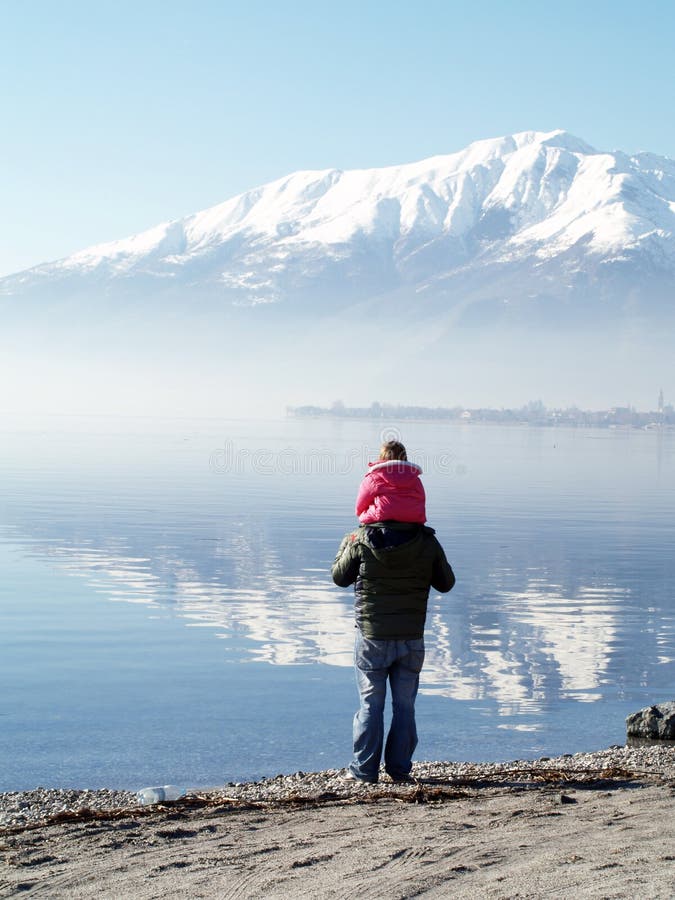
534	413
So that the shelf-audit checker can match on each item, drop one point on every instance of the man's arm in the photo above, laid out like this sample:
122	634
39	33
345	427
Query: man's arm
346	565
442	576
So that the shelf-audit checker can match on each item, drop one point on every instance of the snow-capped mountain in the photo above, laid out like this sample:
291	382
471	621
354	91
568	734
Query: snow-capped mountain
521	267
530	214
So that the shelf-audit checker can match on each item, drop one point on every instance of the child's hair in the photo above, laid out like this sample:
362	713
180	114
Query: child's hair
393	450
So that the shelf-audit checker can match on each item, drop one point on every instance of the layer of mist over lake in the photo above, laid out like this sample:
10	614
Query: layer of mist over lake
167	613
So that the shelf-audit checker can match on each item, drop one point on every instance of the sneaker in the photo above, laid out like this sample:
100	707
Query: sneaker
350	776
403	779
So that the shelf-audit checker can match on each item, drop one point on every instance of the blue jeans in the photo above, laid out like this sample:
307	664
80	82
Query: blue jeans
375	662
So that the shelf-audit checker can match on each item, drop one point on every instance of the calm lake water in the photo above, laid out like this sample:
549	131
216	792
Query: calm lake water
167	613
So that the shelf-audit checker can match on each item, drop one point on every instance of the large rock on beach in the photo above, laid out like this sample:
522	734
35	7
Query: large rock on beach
656	722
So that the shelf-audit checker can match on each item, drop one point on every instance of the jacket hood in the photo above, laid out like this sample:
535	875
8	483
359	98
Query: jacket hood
395	465
385	539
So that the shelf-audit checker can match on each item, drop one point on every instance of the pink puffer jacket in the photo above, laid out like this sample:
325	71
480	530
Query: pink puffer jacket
391	490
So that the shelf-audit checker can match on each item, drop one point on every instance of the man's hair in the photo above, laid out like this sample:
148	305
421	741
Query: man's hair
393	450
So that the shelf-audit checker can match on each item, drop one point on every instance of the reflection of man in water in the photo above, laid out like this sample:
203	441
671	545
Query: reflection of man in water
392	566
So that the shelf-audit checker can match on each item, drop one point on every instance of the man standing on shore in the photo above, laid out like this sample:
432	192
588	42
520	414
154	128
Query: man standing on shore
392	566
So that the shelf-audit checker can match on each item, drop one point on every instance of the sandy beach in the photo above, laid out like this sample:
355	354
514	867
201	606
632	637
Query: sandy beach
588	825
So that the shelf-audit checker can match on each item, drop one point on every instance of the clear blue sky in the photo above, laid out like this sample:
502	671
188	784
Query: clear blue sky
119	115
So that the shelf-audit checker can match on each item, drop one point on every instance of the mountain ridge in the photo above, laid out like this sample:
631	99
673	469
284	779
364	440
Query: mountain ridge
531	265
547	200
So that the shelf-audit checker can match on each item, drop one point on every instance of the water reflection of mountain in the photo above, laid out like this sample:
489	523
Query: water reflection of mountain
561	541
527	634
